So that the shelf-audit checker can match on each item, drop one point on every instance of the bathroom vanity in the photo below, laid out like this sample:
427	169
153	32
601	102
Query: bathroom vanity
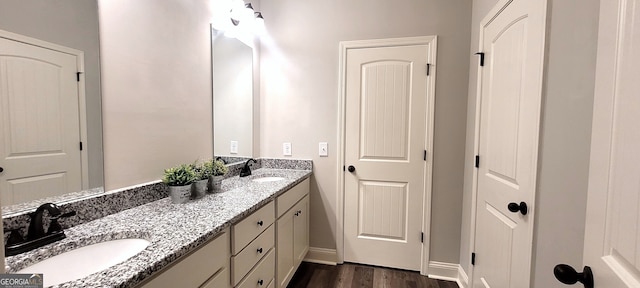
254	234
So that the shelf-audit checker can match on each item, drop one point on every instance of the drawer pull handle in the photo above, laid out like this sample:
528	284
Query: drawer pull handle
260	282
260	250
260	223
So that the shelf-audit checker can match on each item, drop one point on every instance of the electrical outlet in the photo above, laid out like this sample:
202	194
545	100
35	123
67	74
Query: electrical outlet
286	149
323	149
234	147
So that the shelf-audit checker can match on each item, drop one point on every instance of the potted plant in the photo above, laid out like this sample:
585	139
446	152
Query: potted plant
218	169
179	180
203	172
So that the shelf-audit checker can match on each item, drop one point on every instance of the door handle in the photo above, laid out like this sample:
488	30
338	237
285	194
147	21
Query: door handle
567	275
515	208
1	169
351	169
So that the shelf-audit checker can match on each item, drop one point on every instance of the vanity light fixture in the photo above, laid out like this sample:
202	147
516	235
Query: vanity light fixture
244	17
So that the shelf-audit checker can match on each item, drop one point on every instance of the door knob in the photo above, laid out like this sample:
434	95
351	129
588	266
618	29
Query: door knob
567	275
515	208
351	168
1	169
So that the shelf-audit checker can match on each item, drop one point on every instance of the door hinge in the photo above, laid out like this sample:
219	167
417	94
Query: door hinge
428	69
421	237
78	76
473	258
477	164
481	58
425	155
81	146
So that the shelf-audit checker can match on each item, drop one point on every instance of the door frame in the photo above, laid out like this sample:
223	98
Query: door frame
490	16
431	41
82	101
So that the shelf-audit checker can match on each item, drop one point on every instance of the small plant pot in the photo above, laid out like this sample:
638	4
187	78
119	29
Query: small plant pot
180	194
215	184
199	188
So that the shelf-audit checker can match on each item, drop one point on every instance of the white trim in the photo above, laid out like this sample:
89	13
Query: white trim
443	271
82	100
463	280
321	256
344	46
448	272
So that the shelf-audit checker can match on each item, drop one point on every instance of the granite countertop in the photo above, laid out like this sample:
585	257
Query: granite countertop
173	229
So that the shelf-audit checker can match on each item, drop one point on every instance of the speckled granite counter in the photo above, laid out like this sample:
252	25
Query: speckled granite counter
173	229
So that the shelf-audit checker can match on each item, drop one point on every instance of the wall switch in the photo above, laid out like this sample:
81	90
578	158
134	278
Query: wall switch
286	149
323	149
234	147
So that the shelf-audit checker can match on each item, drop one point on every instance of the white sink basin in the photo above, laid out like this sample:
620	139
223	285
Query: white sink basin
267	179
84	261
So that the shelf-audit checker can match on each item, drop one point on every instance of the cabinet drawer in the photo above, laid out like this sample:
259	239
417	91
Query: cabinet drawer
249	228
220	280
242	263
291	197
263	273
200	265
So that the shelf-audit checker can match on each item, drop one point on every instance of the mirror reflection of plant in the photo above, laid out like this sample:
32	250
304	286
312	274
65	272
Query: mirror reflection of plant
180	175
217	167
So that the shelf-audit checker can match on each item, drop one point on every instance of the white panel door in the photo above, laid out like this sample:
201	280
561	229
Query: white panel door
386	115
40	135
612	232
513	41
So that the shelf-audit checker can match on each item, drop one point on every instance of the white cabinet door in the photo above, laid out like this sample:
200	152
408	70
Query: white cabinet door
293	241
301	230
285	249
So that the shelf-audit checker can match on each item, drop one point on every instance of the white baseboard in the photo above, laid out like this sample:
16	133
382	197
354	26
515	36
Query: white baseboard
463	279
443	271
322	256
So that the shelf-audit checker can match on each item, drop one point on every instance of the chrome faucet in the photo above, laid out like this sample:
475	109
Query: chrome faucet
246	170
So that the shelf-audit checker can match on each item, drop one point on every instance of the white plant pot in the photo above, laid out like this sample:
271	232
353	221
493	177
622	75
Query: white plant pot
216	184
199	188
180	194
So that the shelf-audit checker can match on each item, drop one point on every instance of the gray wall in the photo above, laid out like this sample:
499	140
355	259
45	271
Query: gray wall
566	136
73	24
564	140
299	95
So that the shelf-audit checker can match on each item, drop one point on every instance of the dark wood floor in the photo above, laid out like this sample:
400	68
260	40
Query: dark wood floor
311	275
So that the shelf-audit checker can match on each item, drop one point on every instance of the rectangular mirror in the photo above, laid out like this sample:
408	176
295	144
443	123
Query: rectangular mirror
233	96
67	23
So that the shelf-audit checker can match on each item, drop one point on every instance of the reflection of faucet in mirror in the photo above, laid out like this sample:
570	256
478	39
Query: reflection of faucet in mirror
246	169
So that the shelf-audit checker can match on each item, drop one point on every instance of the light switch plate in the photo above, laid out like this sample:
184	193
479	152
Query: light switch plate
234	147
323	149
286	149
